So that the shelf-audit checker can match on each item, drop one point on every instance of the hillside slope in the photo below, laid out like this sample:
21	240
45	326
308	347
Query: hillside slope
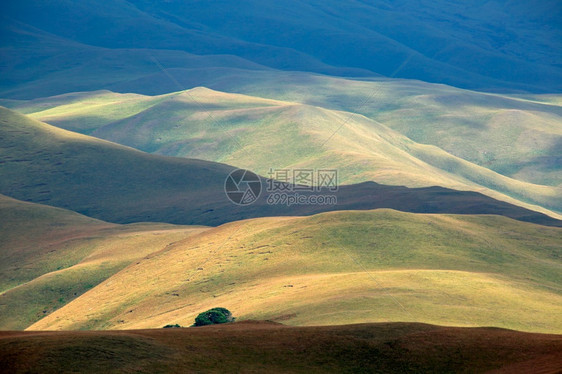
37	64
50	256
26	226
338	268
102	179
495	45
515	135
262	347
509	146
48	165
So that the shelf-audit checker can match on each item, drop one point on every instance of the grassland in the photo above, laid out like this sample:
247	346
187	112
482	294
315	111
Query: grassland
261	347
438	149
62	270
408	134
49	165
514	135
50	256
339	268
461	270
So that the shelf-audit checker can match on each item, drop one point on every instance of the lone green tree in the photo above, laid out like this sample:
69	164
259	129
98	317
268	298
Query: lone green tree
214	316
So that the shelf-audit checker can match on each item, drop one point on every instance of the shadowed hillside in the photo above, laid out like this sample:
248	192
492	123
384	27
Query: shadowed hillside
48	165
495	45
262	347
505	147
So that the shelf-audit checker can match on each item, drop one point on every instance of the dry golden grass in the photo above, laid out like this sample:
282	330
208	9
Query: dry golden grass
51	256
340	267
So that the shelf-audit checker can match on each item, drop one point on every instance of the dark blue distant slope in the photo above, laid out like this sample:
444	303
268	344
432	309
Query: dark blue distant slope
490	45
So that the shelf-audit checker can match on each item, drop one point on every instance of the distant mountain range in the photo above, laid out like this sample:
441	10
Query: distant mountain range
487	45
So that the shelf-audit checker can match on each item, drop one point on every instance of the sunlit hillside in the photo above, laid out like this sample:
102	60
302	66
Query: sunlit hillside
338	268
50	256
505	147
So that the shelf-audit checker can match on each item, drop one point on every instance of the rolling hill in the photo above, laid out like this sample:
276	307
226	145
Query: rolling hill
493	45
50	256
122	209
506	147
260	347
514	135
100	179
36	64
48	165
339	268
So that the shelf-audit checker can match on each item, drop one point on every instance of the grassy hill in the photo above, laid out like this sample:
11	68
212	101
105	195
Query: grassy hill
37	64
514	135
101	179
339	268
52	166
515	43
506	147
50	256
262	347
27	226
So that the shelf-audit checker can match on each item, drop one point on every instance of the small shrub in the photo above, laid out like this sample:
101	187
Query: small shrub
214	316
